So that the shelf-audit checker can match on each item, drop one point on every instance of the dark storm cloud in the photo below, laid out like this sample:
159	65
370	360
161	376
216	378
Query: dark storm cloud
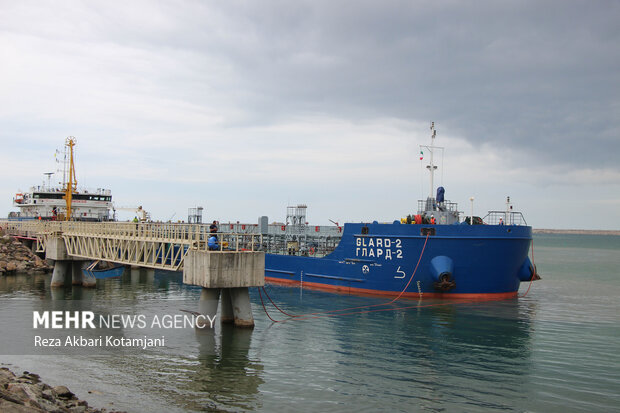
539	76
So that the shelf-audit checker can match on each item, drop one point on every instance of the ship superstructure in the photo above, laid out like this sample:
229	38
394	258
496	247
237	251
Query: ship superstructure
64	200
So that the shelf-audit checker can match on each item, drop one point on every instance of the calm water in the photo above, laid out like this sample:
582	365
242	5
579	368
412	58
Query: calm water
556	350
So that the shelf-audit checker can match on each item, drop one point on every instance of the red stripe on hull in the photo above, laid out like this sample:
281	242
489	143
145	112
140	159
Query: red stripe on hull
368	292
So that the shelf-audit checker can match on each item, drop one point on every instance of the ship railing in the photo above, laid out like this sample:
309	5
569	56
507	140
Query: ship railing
431	205
508	218
308	246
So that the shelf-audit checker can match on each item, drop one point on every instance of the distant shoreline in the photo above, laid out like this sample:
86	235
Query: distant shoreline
575	231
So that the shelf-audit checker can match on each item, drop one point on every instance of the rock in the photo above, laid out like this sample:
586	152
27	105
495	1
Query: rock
24	393
9	407
27	394
63	392
14	256
49	394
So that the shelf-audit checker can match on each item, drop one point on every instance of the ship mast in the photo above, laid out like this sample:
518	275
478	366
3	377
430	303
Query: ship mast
71	184
431	166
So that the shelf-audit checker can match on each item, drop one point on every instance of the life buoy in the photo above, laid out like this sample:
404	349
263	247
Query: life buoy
312	251
283	227
243	227
317	228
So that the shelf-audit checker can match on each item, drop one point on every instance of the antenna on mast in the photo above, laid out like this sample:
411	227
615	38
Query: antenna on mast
49	178
431	166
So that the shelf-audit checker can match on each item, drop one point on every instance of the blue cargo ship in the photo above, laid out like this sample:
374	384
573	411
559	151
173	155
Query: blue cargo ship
437	253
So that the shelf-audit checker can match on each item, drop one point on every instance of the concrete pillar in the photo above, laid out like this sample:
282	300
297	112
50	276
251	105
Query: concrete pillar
61	269
77	276
242	309
135	275
227	315
207	305
150	276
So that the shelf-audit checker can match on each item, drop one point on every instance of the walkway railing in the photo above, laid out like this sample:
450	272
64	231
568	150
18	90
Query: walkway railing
154	245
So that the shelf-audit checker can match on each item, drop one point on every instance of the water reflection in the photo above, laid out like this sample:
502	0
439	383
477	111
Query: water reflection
225	376
422	357
433	355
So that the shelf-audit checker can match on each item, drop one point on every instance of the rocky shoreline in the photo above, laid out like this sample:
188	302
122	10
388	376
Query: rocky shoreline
26	393
16	257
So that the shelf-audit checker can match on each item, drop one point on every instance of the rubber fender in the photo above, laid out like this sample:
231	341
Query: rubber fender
442	267
527	270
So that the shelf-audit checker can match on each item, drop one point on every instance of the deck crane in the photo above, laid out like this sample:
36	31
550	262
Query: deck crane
139	212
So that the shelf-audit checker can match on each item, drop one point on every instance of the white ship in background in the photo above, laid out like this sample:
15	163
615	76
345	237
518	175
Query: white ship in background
64	201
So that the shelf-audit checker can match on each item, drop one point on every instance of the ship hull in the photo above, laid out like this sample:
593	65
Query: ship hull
380	259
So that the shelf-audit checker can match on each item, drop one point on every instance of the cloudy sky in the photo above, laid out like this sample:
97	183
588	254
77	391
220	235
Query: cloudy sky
245	107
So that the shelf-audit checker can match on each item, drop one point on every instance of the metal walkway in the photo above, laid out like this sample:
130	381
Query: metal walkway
151	245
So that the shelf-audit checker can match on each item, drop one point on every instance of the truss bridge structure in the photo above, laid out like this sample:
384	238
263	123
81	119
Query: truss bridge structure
150	245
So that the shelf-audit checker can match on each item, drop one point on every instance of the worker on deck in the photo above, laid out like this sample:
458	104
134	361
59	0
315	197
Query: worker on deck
213	228
433	221
212	243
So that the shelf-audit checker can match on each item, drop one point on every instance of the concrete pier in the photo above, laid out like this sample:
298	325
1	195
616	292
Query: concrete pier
227	315
150	276
61	269
207	305
76	276
227	274
64	265
135	275
240	298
